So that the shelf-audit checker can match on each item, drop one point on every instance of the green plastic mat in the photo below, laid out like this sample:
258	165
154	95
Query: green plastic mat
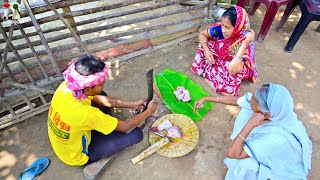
167	81
224	1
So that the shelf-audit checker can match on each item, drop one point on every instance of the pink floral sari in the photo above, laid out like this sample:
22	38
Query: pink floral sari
217	74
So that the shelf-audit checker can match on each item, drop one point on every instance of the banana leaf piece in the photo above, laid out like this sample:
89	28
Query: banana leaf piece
168	80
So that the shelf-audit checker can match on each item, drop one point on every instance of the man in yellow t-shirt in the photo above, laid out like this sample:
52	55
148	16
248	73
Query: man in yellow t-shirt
80	127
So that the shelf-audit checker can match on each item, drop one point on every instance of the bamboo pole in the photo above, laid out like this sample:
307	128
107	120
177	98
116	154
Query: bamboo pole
5	66
17	104
41	90
71	20
150	150
33	51
46	45
101	18
57	5
65	22
143	30
108	37
83	12
65	47
6	103
210	9
24	67
149	50
140	38
113	25
6	48
14	94
15	80
5	118
24	116
12	48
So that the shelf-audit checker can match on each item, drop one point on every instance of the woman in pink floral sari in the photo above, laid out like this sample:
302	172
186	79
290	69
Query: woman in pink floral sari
226	53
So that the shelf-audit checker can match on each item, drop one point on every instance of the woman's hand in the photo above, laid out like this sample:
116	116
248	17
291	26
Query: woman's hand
209	56
249	37
199	104
257	119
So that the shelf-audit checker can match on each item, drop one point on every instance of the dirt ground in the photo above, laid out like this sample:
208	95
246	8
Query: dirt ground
26	141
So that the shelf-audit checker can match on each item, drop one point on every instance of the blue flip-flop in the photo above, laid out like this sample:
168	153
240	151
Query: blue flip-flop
35	169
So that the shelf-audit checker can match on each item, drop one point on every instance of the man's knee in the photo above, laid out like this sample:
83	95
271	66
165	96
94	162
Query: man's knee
137	135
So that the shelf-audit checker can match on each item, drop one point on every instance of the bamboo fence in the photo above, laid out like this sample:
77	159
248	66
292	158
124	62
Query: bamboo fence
35	51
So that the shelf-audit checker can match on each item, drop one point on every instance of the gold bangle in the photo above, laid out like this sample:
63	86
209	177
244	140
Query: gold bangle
241	137
217	99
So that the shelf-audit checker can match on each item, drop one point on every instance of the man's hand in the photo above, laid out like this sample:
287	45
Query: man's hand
140	104
153	105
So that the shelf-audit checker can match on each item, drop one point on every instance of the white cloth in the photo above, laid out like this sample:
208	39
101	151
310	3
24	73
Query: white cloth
280	149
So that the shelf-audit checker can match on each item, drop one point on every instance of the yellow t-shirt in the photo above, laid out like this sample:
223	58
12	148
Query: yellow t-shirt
70	122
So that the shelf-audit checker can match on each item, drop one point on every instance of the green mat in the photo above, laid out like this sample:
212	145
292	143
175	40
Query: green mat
167	81
224	1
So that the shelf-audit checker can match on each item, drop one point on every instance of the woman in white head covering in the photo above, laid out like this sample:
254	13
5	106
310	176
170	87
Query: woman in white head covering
268	140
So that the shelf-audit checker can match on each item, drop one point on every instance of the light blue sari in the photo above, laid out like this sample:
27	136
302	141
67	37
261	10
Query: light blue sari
279	149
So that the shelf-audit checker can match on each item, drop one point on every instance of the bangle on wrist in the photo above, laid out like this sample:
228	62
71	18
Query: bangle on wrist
203	43
241	59
217	99
242	137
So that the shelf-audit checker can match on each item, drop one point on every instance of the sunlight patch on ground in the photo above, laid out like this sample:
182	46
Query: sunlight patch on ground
110	77
233	109
313	115
30	159
299	106
11	177
293	73
121	29
315	122
5	172
137	4
104	23
117	64
311	84
103	33
298	66
7	159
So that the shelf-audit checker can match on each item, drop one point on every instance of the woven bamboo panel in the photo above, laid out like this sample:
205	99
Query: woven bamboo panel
180	146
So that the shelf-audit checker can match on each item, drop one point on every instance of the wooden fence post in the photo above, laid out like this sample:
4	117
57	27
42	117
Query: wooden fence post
71	19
